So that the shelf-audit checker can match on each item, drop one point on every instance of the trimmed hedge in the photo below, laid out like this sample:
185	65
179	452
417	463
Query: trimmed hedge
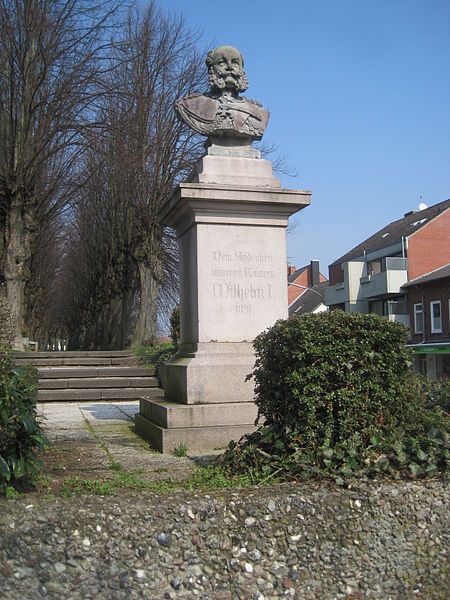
332	375
338	396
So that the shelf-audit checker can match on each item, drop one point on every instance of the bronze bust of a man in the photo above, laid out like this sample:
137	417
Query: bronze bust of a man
222	112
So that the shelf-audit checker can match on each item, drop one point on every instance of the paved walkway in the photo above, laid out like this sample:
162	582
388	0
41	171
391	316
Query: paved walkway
103	432
78	421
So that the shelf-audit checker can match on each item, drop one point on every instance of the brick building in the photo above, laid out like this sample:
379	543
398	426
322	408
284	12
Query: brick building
306	289
374	276
429	307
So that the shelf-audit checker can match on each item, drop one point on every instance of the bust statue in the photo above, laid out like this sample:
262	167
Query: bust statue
222	112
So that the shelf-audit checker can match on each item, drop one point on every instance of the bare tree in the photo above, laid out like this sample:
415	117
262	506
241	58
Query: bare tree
98	280
51	55
39	289
158	62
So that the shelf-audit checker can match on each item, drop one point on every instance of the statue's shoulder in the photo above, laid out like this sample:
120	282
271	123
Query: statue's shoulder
254	102
198	111
202	102
192	96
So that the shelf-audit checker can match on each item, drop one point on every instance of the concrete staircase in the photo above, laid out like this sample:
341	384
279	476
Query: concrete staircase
86	376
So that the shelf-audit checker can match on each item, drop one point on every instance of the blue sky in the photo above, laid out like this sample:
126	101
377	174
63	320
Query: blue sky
359	94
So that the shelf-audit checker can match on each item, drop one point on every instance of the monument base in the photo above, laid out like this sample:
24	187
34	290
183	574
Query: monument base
201	428
208	399
215	374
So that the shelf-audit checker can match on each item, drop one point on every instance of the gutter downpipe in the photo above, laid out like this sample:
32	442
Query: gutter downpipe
423	327
423	317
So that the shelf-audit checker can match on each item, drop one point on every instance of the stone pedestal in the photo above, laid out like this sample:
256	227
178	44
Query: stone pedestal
231	220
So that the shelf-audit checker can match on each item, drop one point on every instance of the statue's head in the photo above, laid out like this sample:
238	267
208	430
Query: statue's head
226	70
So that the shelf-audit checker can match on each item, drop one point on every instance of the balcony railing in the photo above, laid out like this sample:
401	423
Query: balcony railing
335	294
394	273
394	263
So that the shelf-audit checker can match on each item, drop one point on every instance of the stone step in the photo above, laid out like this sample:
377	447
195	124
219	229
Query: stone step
81	395
170	415
98	382
197	439
86	376
75	354
201	427
72	372
63	360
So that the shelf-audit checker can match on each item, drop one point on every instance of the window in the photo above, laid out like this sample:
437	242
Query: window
376	307
436	319
418	318
374	267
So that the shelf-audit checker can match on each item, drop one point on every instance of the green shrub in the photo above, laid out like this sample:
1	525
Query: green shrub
20	433
332	375
157	355
440	394
338	396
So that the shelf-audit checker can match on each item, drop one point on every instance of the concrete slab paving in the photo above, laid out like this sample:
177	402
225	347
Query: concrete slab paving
60	418
105	430
100	413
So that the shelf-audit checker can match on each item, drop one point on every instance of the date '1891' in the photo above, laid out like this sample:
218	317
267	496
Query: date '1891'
243	309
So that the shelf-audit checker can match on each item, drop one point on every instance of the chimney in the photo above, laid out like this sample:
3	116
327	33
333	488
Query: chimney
315	273
291	269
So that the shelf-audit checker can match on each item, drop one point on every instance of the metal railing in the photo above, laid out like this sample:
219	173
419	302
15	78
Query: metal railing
394	263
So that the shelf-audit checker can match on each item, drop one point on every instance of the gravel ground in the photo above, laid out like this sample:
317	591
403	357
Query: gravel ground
376	540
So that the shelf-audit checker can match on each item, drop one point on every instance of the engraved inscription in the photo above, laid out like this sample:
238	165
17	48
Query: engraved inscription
243	309
247	257
236	290
242	276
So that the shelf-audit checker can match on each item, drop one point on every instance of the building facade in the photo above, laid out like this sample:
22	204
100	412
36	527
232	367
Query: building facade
429	309
306	289
373	277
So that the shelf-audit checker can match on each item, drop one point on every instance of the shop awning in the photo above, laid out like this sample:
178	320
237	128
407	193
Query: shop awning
443	348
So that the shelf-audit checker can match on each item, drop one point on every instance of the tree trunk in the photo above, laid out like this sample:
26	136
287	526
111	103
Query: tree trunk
116	322
15	253
127	308
145	328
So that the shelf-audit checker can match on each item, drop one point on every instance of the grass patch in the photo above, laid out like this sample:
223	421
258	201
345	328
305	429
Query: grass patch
65	449
42	482
114	466
129	480
180	450
219	478
11	493
203	479
75	486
